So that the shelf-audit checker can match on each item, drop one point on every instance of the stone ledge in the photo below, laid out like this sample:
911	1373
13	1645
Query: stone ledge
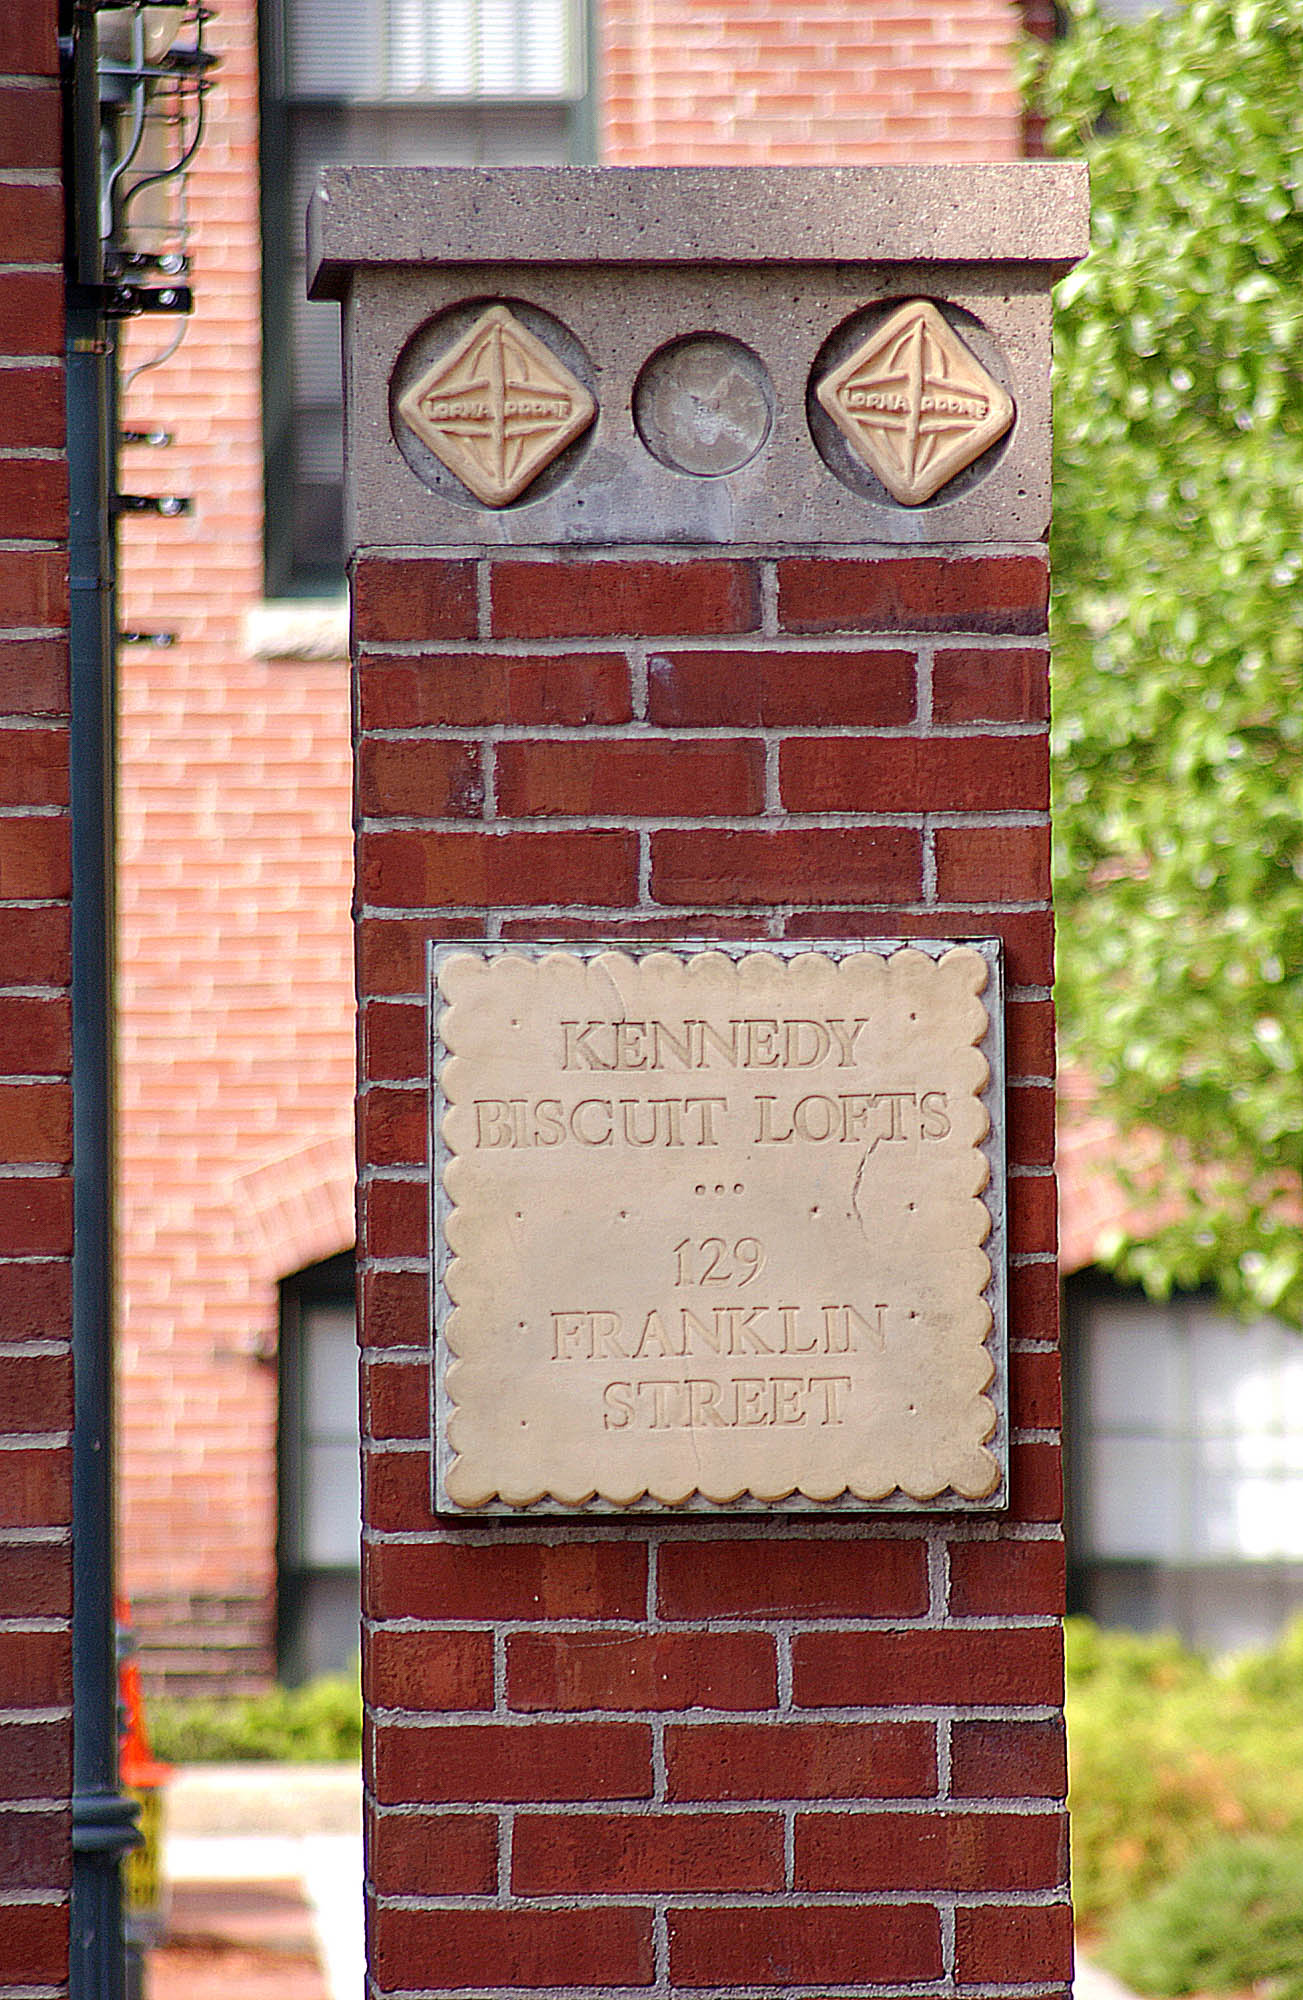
1021	212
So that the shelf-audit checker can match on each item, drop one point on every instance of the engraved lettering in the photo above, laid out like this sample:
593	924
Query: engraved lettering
933	1116
848	1119
765	1133
836	1332
706	1107
492	1121
578	1042
618	1406
654	1329
745	1042
580	1127
600	1334
709	1336
788	1391
743	1334
831	1299
832	1387
846	1038
604	1330
815	1117
855	1321
805	1044
737	1402
568	1328
855	1116
703	1405
761	1044
629	1052
660	1394
707	1034
895	1098
791	1345
719	1264
751	1402
631	1106
549	1122
750	1256
713	1251
672	1122
663	1038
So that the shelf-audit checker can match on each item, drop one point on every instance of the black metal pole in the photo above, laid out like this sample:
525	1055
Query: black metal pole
103	1820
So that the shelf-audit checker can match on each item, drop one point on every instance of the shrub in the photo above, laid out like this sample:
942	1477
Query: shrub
318	1723
1170	1752
1232	1918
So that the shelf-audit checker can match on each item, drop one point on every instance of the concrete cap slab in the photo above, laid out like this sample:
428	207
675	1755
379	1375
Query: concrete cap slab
1020	212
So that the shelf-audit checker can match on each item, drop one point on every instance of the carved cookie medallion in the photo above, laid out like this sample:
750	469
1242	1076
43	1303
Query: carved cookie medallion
497	408
915	404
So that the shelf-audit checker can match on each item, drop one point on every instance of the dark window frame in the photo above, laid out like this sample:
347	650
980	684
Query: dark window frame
287	571
330	1283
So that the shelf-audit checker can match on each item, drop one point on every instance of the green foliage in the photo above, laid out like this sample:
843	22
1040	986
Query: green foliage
318	1723
1170	1753
1178	551
1231	1919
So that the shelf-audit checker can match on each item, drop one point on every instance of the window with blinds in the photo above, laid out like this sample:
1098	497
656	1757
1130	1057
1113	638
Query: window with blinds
1185	1442
382	83
355	51
319	1474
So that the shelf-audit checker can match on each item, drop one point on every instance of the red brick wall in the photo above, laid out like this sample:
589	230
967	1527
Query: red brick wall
236	990
35	1052
806	1753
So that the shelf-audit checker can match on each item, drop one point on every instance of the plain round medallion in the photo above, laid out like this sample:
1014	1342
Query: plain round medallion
704	405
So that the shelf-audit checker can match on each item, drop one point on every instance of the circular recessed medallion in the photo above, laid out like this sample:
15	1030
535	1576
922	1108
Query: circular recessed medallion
704	405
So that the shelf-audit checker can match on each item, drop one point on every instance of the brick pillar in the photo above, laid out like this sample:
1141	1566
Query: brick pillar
35	1048
770	1750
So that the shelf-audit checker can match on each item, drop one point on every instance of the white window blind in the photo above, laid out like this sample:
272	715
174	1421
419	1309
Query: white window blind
1192	1439
331	1500
380	51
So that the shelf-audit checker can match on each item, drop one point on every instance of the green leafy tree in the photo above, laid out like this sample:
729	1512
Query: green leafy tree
1178	618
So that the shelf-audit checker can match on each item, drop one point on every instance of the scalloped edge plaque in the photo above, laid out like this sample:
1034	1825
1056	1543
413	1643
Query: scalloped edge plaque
717	1228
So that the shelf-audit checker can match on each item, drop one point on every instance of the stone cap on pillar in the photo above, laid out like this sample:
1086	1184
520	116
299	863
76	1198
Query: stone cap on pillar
589	356
1022	212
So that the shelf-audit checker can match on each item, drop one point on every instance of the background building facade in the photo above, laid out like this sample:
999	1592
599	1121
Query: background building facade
238	1462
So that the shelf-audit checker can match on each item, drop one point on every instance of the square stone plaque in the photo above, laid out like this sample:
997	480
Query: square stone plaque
717	1227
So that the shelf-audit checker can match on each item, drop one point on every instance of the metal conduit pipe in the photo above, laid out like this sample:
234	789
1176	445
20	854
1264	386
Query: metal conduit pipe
103	1820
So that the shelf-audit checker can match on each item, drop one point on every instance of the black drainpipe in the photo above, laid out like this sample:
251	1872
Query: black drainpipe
103	1820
